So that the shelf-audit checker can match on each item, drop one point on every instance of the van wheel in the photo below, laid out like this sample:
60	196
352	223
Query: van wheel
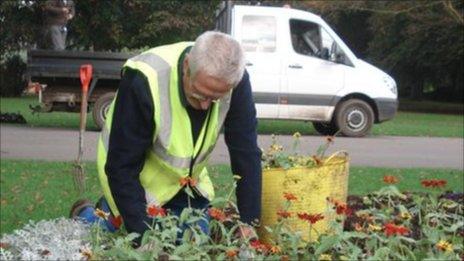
100	109
354	118
325	128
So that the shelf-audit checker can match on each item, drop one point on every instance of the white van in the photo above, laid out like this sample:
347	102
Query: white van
301	70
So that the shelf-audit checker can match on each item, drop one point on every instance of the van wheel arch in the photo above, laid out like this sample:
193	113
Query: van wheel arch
362	97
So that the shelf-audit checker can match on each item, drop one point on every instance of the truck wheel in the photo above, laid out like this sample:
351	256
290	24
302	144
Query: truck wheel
354	118
325	128
100	109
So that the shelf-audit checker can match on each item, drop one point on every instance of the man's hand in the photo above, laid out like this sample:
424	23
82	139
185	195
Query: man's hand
246	232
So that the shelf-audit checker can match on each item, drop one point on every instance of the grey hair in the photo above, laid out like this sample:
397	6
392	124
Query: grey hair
218	55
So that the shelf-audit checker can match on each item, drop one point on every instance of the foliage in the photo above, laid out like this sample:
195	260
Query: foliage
385	224
12	80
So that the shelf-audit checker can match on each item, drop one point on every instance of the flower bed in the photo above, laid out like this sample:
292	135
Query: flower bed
386	224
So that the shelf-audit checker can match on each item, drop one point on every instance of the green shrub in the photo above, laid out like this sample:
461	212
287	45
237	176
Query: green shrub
12	80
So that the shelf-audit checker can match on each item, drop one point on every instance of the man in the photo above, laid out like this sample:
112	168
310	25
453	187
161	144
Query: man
56	14
170	107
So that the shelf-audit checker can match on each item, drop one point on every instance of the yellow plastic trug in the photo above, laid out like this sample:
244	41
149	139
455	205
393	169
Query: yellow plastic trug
312	186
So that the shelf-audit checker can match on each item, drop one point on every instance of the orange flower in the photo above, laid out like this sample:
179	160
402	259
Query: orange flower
392	229
188	181
154	211
116	221
434	183
284	258
283	214
289	196
390	179
317	160
311	218
231	253
101	214
217	214
4	245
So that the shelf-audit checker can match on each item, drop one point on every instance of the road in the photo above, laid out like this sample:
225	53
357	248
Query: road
18	142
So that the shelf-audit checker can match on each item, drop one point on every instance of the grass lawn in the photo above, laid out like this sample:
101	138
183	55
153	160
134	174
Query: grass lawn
404	124
35	190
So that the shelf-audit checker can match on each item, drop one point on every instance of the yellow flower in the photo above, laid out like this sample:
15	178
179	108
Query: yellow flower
296	135
405	215
325	257
101	214
374	228
444	245
275	249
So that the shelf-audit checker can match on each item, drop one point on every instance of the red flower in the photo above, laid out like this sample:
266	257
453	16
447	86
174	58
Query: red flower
289	196
154	211
283	214
434	183
116	221
217	214
340	207
390	179
313	219
258	246
392	229
188	181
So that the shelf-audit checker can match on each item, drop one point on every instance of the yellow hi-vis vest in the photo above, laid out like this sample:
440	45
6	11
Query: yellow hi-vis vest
169	159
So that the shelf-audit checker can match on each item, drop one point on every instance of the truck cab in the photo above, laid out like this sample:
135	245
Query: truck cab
300	69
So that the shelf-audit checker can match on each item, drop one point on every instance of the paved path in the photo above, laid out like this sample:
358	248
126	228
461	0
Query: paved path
19	142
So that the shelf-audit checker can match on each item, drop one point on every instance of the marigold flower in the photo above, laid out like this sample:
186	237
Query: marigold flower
392	229
289	196
325	257
434	183
405	215
311	218
283	214
217	214
231	253
116	221
101	214
284	258
358	227
329	139
154	211
390	179
275	249
188	181
86	253
340	207
444	245
372	227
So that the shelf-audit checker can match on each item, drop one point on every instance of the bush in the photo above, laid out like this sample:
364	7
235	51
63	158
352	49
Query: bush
12	80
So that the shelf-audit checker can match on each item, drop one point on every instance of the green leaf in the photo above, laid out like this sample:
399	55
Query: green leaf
326	244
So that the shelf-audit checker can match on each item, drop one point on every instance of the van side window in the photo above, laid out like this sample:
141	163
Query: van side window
312	40
259	33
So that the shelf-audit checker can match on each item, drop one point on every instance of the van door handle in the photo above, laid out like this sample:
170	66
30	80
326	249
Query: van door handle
248	64
295	66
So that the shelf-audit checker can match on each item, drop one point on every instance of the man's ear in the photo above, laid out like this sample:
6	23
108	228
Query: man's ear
186	63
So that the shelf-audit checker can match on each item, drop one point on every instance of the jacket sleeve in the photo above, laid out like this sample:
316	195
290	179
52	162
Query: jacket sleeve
245	156
131	136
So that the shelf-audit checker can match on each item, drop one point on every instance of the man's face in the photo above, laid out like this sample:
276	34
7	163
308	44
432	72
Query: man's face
201	89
